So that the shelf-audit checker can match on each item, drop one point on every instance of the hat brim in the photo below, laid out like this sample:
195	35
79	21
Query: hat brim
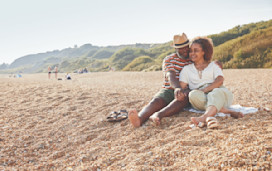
181	46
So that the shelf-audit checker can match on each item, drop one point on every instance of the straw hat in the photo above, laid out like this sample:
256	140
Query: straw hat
180	41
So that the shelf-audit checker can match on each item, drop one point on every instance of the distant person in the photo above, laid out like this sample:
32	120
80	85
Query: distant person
49	72
18	75
205	79
85	70
111	68
164	103
56	72
80	71
68	76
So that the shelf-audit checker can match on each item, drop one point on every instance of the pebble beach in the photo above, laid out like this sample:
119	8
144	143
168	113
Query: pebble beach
50	124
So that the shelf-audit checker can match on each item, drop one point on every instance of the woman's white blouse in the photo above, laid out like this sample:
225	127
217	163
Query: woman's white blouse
191	75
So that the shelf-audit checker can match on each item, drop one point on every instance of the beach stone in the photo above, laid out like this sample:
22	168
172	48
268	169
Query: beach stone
58	154
84	159
269	149
69	169
41	146
263	157
241	163
150	153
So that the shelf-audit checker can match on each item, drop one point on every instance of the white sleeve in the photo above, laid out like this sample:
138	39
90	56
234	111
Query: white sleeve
183	76
217	71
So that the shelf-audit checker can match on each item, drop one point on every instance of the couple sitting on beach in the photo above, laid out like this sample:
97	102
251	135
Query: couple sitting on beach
191	77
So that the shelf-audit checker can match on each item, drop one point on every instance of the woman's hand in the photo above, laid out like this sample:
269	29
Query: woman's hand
205	90
216	84
180	93
202	90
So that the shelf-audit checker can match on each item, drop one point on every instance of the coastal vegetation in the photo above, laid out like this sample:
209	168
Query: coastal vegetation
245	46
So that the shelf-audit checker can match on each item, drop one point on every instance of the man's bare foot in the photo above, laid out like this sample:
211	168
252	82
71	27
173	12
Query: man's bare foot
155	119
134	118
198	121
236	115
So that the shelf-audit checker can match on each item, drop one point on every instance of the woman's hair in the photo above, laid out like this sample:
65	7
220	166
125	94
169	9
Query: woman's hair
207	46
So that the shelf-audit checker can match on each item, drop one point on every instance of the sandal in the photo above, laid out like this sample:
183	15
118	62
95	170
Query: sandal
200	125
117	116
212	122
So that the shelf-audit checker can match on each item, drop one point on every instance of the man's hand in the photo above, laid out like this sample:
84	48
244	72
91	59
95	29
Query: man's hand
219	64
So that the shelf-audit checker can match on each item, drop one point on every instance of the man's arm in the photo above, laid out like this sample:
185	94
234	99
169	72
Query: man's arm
174	82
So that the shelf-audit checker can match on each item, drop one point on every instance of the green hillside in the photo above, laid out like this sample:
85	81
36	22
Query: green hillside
253	50
140	63
239	31
245	46
123	57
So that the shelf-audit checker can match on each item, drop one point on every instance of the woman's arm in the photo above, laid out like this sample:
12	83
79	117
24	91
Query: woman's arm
217	83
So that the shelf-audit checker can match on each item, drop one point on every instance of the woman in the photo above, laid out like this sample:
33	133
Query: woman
205	79
56	72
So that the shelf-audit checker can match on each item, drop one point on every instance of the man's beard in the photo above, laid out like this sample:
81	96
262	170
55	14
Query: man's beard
180	56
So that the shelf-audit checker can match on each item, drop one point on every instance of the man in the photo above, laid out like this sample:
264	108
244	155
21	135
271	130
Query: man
164	103
49	72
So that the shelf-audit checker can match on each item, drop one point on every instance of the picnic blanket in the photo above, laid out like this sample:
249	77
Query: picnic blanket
237	108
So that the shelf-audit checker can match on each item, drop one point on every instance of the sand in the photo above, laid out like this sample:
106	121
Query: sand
61	125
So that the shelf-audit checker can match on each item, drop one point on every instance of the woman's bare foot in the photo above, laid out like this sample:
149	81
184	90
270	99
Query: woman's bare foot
155	119
236	115
198	121
134	118
232	113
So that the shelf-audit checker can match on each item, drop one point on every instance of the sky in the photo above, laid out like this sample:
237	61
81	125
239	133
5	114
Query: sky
38	26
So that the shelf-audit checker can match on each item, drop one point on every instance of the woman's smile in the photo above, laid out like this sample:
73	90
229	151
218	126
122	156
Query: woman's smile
196	52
